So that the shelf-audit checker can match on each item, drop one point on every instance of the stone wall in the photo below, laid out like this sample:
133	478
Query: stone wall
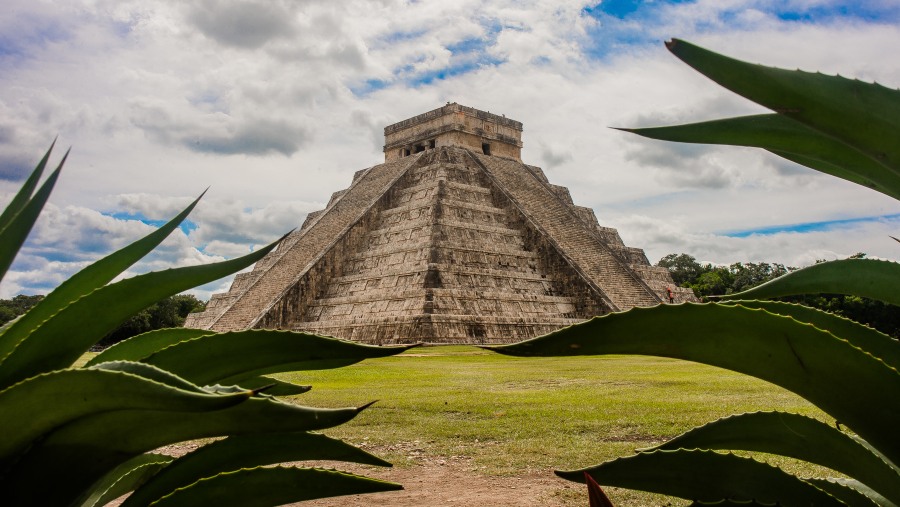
454	125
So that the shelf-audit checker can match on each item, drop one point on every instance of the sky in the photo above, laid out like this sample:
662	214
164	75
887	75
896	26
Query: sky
274	105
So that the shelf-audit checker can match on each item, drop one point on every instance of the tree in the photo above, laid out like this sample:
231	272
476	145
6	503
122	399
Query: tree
684	268
168	312
748	275
12	308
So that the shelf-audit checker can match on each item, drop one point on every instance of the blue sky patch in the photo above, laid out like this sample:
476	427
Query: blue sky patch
873	12
402	36
808	227
369	86
625	8
428	77
186	226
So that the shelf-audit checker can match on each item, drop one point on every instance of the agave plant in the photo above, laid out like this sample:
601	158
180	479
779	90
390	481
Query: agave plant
838	126
83	436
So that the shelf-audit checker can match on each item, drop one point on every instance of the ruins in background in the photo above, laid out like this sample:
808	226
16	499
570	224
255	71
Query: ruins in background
451	240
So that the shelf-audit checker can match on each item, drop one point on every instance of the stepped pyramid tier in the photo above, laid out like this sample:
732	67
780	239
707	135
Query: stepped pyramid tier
451	240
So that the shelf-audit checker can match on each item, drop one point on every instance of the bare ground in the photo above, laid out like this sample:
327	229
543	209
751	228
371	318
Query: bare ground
442	481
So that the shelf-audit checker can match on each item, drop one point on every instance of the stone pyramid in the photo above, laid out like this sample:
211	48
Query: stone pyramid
451	240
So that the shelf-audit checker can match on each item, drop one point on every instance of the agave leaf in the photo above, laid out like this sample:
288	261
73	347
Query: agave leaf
871	340
849	495
111	438
705	476
271	386
124	478
54	345
227	357
798	437
774	348
37	401
854	484
24	194
263	487
140	346
247	451
150	372
787	138
870	278
13	235
864	116
87	280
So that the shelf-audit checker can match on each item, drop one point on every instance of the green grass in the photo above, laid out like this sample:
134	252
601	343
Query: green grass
509	416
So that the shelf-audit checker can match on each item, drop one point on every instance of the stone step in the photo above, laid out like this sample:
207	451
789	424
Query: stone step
326	230
545	208
445	329
406	293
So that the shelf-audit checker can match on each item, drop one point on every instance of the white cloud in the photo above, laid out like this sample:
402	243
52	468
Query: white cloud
277	104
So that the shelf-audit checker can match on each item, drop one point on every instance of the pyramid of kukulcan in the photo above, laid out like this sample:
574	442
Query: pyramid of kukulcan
451	240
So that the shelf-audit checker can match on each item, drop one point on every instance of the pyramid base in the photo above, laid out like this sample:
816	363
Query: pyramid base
437	329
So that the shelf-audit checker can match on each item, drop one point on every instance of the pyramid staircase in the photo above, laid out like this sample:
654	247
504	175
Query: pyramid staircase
446	246
443	243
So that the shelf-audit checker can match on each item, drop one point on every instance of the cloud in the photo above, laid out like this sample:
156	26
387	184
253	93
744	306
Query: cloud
223	226
555	155
65	240
15	166
662	237
243	24
682	165
219	133
276	104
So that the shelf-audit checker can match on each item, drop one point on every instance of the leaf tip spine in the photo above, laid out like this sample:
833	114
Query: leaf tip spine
365	406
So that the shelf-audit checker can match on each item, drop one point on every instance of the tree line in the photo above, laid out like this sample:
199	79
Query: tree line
168	312
712	280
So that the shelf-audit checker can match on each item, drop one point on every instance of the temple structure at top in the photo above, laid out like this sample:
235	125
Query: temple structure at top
453	239
454	125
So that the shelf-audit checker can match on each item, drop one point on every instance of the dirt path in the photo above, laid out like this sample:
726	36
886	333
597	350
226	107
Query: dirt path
432	484
442	481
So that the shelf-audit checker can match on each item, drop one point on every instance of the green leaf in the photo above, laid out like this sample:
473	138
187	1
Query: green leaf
37	401
274	387
150	372
13	235
844	493
111	438
86	281
870	278
263	487
774	348
871	340
787	138
796	436
829	485
24	194
247	451
54	345
124	478
705	476
861	115
228	357
140	346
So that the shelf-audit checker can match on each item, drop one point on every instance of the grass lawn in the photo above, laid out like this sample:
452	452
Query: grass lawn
507	416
